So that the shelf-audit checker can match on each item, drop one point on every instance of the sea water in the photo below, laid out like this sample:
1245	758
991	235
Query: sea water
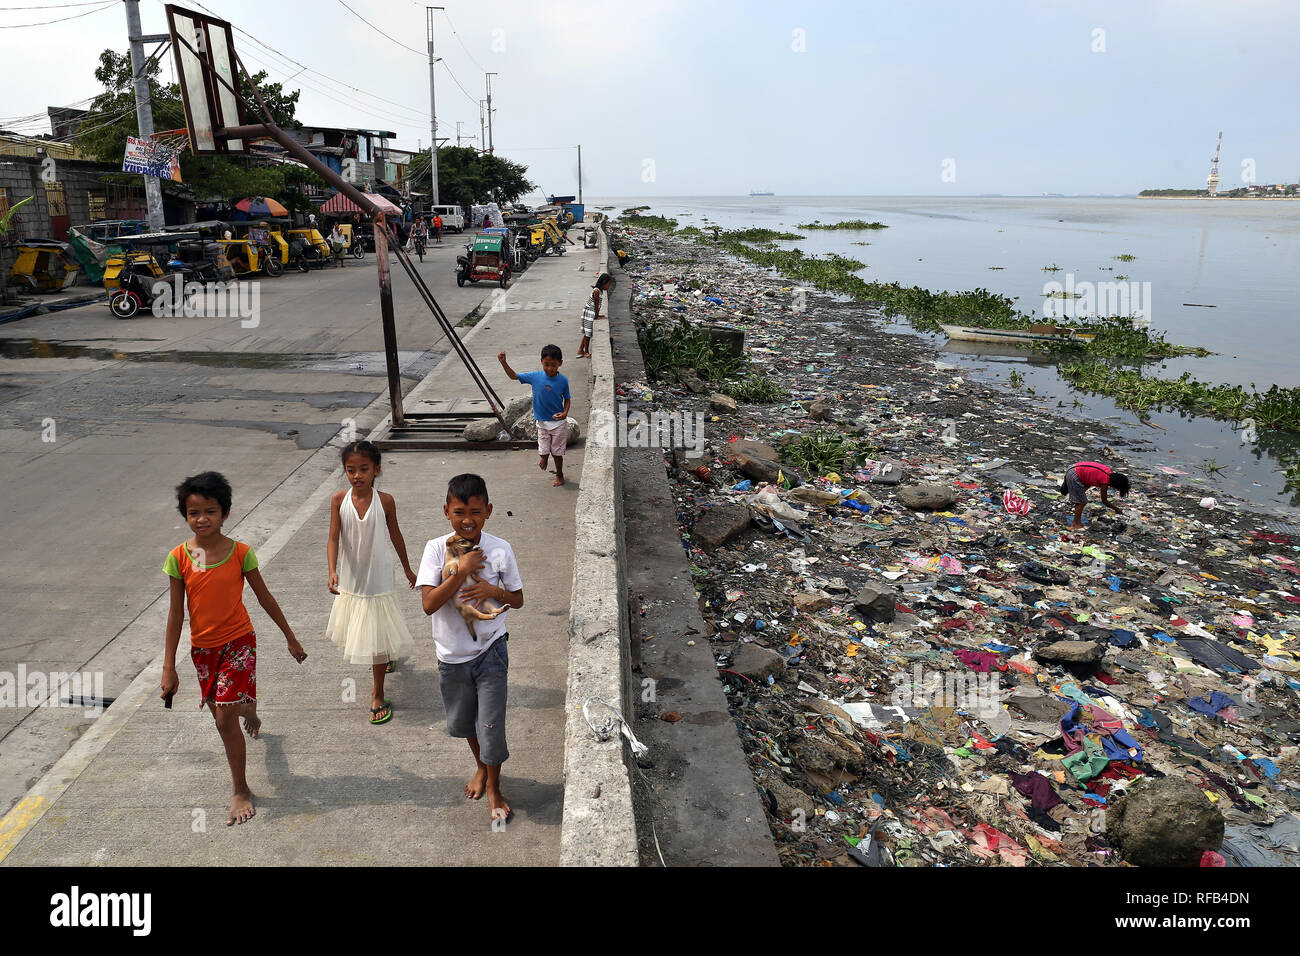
1220	274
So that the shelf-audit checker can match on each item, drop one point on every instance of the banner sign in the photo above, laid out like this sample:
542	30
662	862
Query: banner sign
148	158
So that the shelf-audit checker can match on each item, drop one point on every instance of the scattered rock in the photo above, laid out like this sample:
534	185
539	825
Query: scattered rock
747	447
819	411
1165	822
926	496
876	602
809	601
756	663
757	469
719	524
723	404
691	381
788	799
808	495
1071	652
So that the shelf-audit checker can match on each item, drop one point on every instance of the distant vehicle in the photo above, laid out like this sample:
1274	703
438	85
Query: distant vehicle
453	218
762	194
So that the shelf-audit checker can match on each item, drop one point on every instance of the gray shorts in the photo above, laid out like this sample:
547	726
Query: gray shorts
474	695
1078	493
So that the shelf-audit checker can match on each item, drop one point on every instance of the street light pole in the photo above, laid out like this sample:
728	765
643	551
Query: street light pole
143	108
489	110
433	114
580	174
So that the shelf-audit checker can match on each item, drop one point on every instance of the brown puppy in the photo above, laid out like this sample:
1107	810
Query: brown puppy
458	547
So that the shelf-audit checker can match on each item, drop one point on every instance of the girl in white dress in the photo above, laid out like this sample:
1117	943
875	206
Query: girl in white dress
365	620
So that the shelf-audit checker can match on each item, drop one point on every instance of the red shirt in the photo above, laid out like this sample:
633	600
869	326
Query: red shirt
1092	474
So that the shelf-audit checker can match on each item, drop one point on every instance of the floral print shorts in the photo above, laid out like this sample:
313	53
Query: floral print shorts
227	674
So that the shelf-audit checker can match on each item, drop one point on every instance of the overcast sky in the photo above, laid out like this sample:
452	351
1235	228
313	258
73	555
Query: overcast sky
718	97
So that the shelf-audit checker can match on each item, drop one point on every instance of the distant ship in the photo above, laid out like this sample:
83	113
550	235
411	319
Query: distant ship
762	194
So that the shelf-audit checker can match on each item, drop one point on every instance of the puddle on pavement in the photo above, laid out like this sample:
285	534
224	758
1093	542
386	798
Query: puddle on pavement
351	363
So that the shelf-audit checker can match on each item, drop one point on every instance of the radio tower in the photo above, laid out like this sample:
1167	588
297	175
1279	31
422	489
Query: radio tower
1212	180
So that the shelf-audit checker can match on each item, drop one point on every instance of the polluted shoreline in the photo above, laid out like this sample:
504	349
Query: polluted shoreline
924	666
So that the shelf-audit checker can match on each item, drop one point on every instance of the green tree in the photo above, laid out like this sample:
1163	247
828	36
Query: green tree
111	118
466	176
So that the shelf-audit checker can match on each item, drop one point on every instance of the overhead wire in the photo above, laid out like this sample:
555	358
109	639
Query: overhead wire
462	42
56	6
381	32
304	68
40	23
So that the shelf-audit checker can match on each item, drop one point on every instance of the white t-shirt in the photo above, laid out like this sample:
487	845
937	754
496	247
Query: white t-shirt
450	635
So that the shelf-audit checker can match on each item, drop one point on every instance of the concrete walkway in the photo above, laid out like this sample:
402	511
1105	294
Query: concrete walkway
148	786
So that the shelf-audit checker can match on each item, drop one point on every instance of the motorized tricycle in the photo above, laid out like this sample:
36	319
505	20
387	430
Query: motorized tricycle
44	265
486	258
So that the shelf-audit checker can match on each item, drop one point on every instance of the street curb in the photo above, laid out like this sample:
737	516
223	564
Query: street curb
599	825
320	473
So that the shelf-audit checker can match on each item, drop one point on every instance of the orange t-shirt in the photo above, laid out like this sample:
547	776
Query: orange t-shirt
214	594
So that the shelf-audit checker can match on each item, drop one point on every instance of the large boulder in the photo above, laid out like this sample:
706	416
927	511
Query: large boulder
757	663
482	429
876	601
926	496
1165	822
519	407
717	525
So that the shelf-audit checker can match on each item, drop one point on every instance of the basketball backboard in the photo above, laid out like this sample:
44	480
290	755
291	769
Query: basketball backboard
210	104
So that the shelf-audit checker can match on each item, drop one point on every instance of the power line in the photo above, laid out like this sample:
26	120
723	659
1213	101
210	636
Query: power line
462	43
56	6
304	68
422	53
329	94
76	16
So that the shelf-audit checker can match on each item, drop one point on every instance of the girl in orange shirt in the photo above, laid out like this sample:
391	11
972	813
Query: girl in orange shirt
208	573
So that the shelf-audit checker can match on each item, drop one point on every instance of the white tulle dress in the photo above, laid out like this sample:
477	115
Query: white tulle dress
366	620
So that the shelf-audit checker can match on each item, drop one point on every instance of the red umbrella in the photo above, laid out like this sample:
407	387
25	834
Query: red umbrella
261	206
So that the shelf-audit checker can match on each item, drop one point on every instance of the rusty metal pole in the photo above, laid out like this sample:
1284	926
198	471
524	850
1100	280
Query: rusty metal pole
390	328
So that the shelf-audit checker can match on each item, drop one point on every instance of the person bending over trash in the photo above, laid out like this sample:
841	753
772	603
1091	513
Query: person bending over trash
1083	475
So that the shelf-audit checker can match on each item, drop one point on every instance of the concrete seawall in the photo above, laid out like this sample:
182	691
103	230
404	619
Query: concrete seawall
599	826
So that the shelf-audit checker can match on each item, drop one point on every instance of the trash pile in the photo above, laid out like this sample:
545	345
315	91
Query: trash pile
926	667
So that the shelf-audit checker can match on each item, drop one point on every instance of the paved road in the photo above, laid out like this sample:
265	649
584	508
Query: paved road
135	406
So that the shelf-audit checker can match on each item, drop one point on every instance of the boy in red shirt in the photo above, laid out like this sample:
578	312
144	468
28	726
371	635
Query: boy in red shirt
208	573
1083	475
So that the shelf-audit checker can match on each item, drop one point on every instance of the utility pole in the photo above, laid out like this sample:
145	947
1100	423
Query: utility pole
433	115
579	173
482	132
489	109
143	106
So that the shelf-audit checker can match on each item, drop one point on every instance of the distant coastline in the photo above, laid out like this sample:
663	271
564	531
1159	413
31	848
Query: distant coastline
1230	198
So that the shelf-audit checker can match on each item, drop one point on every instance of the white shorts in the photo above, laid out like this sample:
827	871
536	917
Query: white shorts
552	441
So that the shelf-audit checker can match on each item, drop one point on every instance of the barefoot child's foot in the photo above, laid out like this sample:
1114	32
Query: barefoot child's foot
559	480
500	809
542	464
474	789
241	808
252	724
